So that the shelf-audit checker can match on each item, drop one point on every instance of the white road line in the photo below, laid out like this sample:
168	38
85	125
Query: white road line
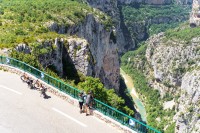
80	123
2	86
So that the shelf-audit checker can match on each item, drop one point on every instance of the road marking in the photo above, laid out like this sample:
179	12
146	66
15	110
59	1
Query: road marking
80	123
2	86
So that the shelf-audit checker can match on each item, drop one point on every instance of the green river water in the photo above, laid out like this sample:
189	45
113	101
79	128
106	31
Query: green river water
130	86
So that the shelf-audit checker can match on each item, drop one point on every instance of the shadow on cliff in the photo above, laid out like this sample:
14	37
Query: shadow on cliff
69	70
126	32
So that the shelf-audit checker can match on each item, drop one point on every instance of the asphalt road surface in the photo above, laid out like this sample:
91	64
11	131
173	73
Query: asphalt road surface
22	110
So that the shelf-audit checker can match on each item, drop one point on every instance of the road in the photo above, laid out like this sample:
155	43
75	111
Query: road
22	110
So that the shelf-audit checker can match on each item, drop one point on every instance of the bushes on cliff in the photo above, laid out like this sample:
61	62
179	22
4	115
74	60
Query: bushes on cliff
107	96
28	20
183	33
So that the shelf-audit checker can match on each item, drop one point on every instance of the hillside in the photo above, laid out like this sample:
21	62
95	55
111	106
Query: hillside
27	21
143	21
166	67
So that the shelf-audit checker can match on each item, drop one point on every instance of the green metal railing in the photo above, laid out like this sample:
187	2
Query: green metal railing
100	106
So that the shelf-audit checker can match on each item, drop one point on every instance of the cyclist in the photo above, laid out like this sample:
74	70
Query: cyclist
43	91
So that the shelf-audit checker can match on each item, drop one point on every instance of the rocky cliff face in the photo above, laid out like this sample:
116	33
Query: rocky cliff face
74	51
101	48
92	51
175	67
195	14
111	7
188	118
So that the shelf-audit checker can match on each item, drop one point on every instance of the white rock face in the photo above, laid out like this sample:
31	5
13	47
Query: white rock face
188	119
80	55
123	39
195	14
175	66
23	48
171	59
96	54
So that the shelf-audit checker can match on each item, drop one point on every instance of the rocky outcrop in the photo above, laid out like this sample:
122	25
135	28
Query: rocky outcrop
100	42
180	57
174	66
23	48
79	53
103	50
111	7
195	14
188	117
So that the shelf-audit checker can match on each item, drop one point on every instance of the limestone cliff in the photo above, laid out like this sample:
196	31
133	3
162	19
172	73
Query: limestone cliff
173	67
195	14
103	48
111	7
95	55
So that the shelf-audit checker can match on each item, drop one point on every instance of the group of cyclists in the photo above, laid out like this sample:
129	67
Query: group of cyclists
85	100
34	84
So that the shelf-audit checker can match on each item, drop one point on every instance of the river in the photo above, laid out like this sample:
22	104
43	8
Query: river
130	86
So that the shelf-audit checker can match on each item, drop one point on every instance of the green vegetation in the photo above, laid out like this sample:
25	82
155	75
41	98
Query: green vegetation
170	129
171	16
26	21
157	28
144	12
156	116
183	33
107	96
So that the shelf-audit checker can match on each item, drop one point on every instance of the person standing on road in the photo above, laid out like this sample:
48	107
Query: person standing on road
88	102
81	100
